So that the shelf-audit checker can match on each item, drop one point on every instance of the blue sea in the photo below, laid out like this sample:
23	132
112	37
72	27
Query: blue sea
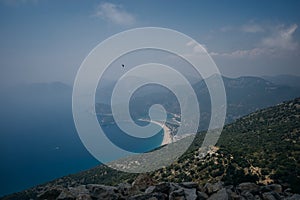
130	143
39	142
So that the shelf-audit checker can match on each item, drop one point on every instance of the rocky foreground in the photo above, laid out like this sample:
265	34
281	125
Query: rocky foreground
143	188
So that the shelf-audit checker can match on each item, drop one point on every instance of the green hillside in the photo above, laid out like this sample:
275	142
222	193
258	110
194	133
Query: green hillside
262	147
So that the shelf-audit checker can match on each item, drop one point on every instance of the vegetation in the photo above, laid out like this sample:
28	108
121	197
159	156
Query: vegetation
263	147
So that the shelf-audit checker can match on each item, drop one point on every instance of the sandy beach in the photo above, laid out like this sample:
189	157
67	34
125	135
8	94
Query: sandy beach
167	132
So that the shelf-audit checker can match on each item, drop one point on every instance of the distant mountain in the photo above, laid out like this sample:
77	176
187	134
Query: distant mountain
288	80
244	95
260	148
248	94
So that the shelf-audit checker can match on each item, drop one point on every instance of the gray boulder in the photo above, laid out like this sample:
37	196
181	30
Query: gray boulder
212	188
189	184
233	195
268	196
102	191
248	195
177	195
161	187
220	195
273	187
202	196
83	197
294	197
124	189
190	194
251	187
66	195
149	196
81	189
150	189
174	186
256	197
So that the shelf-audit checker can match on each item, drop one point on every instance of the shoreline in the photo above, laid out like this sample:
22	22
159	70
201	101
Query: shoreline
167	139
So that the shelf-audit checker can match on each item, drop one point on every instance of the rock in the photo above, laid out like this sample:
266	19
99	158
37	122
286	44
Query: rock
268	196
66	195
265	189
233	195
202	196
177	198
273	187
124	189
190	194
251	187
161	187
288	192
73	183
256	197
212	188
142	182
276	195
294	197
83	197
150	189
248	195
208	188
81	189
189	184
229	187
220	195
177	194
150	196
174	186
161	191
82	181
102	191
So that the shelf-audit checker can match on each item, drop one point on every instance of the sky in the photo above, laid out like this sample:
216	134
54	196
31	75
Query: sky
46	41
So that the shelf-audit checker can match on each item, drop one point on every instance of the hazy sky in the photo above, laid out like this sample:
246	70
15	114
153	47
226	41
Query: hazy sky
45	40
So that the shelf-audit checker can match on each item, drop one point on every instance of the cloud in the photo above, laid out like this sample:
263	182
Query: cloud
115	14
282	38
197	48
252	28
226	28
279	42
250	53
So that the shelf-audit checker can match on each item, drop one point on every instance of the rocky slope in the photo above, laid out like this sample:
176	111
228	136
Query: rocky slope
145	188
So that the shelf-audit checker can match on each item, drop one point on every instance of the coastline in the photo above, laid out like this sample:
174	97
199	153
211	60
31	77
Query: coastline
167	139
